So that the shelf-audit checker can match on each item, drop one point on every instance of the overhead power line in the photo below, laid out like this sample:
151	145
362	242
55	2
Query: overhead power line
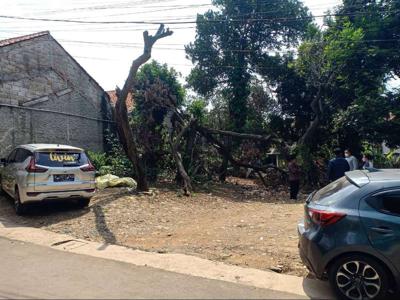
128	45
324	6
190	22
185	7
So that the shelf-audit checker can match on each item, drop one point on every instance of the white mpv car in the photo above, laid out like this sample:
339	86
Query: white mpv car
37	172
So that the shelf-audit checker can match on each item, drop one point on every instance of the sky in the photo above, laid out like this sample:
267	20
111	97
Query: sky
106	50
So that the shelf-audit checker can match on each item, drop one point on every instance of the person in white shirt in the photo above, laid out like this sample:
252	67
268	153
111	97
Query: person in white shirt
353	162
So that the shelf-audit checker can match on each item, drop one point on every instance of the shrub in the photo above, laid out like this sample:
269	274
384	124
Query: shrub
113	161
98	159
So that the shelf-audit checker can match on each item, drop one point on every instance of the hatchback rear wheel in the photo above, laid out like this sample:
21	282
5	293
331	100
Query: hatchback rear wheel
359	277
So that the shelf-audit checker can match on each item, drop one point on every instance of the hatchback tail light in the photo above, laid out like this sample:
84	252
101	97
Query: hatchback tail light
33	168
323	217
88	168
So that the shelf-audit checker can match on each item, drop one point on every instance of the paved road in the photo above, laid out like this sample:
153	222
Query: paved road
31	271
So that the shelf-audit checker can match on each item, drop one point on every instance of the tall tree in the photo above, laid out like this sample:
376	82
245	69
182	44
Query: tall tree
365	77
232	40
339	78
148	119
125	133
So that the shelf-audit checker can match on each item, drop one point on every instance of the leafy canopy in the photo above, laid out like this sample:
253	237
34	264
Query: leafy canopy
231	42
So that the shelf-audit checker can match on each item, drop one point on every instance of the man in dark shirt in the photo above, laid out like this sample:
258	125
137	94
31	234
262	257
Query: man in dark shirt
337	166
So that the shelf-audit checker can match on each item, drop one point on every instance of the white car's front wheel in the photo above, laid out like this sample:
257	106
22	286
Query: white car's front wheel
18	206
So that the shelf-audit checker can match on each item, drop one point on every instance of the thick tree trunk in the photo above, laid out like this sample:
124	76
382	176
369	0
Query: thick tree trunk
125	132
317	106
129	144
307	137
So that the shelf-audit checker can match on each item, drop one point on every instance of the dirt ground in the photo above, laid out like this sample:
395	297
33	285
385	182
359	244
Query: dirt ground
238	223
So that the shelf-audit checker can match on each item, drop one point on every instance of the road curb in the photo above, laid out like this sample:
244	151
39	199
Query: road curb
178	263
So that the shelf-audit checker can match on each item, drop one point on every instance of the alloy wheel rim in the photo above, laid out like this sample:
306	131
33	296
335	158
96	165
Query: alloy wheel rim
358	280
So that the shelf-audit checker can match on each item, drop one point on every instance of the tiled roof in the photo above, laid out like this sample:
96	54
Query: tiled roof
22	38
113	99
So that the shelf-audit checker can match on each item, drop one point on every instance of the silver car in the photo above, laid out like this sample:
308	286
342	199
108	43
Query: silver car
37	172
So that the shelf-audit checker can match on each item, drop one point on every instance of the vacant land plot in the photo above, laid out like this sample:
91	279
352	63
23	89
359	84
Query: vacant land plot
237	222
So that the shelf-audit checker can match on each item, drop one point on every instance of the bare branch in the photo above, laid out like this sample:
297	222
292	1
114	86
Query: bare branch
239	135
187	185
226	153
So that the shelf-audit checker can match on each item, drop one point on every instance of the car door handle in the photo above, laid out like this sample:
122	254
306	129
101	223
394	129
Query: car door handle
383	230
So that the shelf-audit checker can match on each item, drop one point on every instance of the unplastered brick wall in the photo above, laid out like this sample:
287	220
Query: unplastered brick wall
38	76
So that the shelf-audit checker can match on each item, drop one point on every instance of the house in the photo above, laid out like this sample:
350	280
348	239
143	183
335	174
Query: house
113	100
47	97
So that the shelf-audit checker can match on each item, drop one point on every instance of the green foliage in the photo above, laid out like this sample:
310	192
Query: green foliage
197	108
156	83
353	51
229	47
394	158
114	161
346	65
380	22
341	46
381	160
120	164
104	170
98	159
261	108
155	72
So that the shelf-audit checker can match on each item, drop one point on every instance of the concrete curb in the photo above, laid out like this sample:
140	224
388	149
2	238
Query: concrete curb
178	263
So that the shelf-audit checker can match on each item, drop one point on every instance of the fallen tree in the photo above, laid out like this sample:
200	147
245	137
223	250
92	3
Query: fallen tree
177	124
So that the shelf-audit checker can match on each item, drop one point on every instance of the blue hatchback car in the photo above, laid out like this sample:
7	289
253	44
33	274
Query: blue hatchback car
350	234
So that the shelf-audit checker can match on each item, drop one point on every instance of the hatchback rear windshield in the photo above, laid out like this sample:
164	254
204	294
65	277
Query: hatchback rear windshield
334	191
61	159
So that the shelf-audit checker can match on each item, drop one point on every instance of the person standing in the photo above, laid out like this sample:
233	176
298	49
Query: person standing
337	166
367	161
294	177
352	161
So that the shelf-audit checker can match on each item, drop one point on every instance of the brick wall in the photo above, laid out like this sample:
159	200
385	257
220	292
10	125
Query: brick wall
38	76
